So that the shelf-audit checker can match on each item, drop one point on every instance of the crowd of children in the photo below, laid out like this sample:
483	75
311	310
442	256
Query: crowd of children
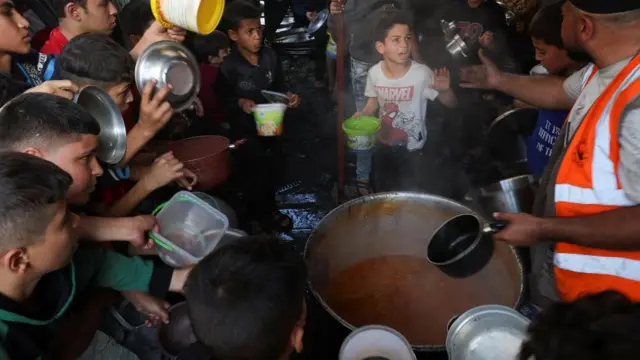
69	223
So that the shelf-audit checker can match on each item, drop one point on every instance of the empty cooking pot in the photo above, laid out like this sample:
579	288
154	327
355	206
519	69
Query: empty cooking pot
207	157
513	195
462	246
169	63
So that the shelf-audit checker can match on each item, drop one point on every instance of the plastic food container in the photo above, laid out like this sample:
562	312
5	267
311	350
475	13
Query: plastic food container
269	119
361	132
189	229
199	16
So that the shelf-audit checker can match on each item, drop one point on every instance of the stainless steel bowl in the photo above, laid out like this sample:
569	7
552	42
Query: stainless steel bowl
112	141
316	25
448	29
169	63
457	47
514	195
489	332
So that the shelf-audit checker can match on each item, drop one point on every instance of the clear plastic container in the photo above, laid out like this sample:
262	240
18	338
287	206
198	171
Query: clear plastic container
189	229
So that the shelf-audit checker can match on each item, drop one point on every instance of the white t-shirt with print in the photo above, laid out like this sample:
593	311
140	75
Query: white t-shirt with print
403	101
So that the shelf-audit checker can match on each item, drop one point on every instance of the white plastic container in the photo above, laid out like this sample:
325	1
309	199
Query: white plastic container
189	229
199	16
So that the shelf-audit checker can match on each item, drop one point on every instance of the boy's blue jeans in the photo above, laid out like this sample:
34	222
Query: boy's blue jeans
359	71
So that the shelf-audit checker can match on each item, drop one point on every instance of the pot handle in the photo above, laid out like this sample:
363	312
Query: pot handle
237	143
451	321
495	227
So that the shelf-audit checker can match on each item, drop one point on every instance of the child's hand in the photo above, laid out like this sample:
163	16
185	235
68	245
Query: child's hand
442	80
247	105
165	170
336	7
357	115
188	181
155	112
154	308
198	107
312	16
62	88
294	100
486	39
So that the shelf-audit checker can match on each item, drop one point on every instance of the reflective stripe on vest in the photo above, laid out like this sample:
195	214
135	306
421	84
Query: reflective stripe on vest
588	183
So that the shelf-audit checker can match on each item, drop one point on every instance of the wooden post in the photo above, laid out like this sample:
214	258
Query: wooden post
339	20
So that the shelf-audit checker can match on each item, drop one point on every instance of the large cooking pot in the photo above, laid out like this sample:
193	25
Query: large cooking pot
367	265
207	157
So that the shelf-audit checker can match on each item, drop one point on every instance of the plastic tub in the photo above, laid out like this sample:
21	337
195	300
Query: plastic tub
189	229
199	16
269	119
361	132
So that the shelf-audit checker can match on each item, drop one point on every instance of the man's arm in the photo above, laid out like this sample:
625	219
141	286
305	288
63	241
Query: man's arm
547	92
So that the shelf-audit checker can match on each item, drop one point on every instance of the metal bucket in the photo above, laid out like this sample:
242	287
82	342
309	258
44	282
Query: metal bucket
387	225
514	195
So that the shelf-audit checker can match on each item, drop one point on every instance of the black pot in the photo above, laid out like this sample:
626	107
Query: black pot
462	246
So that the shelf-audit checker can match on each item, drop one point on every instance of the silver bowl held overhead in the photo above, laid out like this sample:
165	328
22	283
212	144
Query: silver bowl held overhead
170	63
317	24
112	140
449	29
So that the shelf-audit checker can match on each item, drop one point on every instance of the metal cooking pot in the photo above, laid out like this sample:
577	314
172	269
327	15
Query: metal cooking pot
490	332
207	157
507	138
112	140
463	245
170	63
177	335
514	195
457	47
401	224
376	342
448	29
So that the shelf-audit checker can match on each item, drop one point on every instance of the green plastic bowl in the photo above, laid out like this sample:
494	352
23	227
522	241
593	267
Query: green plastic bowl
361	132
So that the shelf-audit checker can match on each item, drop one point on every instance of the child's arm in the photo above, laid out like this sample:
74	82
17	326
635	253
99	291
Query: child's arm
370	108
442	83
155	112
164	170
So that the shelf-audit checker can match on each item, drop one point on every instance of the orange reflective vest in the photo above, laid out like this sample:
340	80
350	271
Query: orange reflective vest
588	183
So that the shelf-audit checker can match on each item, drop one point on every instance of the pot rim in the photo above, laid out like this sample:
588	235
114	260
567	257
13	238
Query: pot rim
496	187
468	250
375	327
203	136
406	194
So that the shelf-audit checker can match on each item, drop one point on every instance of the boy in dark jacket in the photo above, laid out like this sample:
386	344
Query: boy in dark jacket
42	268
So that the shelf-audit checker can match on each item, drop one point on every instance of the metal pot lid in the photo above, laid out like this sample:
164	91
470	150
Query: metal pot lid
170	63
112	140
376	342
489	332
275	97
316	25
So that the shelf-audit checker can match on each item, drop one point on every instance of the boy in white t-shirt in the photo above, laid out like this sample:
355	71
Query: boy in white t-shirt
399	88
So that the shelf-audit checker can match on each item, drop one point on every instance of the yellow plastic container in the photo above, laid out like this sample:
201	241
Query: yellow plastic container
199	16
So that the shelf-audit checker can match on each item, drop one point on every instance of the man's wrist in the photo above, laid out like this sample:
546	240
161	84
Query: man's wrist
178	279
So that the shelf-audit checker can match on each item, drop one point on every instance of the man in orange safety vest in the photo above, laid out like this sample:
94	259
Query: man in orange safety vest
584	233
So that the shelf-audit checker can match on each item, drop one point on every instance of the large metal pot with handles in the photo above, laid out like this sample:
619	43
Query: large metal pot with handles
367	265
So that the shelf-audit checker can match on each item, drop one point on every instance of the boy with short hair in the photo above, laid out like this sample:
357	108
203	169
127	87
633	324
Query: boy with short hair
79	17
42	273
95	59
246	301
399	87
545	31
249	69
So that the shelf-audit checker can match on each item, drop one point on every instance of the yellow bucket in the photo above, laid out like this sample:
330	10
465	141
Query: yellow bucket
199	16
